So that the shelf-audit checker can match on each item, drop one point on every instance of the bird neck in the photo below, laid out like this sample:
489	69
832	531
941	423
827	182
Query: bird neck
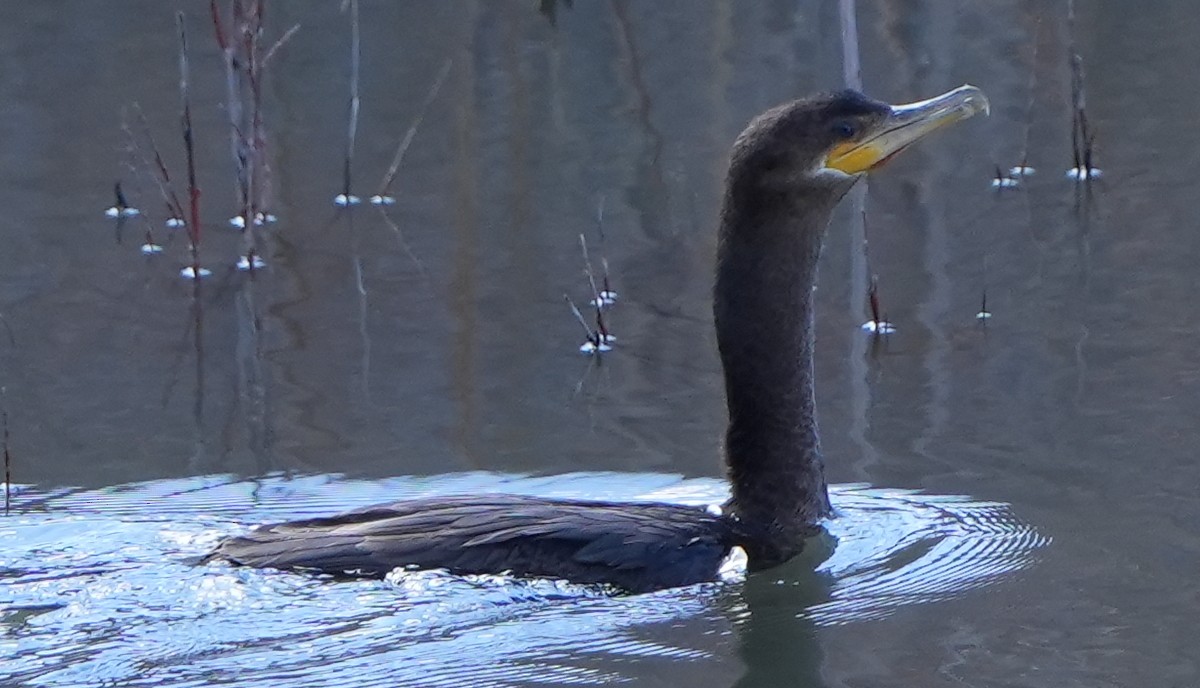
767	257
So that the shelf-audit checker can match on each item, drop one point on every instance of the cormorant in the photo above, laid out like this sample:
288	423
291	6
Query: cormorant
787	171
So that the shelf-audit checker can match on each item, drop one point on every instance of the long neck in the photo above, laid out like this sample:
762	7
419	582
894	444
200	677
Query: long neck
766	270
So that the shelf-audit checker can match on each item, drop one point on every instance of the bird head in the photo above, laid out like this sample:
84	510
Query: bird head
831	139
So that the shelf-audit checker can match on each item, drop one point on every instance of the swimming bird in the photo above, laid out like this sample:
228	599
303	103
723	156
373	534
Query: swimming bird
787	172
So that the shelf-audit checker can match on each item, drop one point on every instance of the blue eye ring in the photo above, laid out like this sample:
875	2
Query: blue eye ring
845	130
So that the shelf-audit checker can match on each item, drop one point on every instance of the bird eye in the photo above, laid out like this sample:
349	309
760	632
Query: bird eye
845	130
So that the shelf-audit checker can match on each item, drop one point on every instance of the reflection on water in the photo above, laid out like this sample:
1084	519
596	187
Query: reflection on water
99	586
445	347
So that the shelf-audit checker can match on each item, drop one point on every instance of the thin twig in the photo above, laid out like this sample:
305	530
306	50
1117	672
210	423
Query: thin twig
352	126
193	227
218	26
1078	115
256	145
395	227
119	196
587	330
139	171
240	46
602	327
124	210
233	103
873	283
264	189
587	266
602	333
1082	138
388	178
607	294
983	314
1030	100
873	300
287	36
161	175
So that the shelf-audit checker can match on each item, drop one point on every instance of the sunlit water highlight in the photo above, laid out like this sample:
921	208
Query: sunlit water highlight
97	587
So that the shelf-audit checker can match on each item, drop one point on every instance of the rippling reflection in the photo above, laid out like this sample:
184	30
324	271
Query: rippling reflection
98	587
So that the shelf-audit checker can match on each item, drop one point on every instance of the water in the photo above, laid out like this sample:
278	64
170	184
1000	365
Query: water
439	348
103	589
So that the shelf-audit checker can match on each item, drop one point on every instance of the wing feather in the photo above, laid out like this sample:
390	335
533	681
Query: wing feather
636	546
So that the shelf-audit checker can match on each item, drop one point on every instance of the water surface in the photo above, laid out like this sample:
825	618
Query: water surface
106	590
1018	500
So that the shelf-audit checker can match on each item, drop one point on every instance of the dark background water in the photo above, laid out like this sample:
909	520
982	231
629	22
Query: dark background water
361	354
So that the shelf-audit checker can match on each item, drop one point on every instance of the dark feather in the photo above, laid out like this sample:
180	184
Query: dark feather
634	546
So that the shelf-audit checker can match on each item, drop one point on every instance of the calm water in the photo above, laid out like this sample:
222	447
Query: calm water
1017	502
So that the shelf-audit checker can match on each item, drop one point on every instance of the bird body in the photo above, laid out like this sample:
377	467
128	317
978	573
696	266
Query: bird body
633	546
787	172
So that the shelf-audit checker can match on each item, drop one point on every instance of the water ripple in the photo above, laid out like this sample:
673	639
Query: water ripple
98	588
899	547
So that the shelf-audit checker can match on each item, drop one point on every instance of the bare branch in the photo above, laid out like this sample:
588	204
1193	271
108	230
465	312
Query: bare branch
388	178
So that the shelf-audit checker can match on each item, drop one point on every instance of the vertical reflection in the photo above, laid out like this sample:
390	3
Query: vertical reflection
252	388
360	287
463	281
198	462
777	642
721	69
649	195
522	134
860	390
929	34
